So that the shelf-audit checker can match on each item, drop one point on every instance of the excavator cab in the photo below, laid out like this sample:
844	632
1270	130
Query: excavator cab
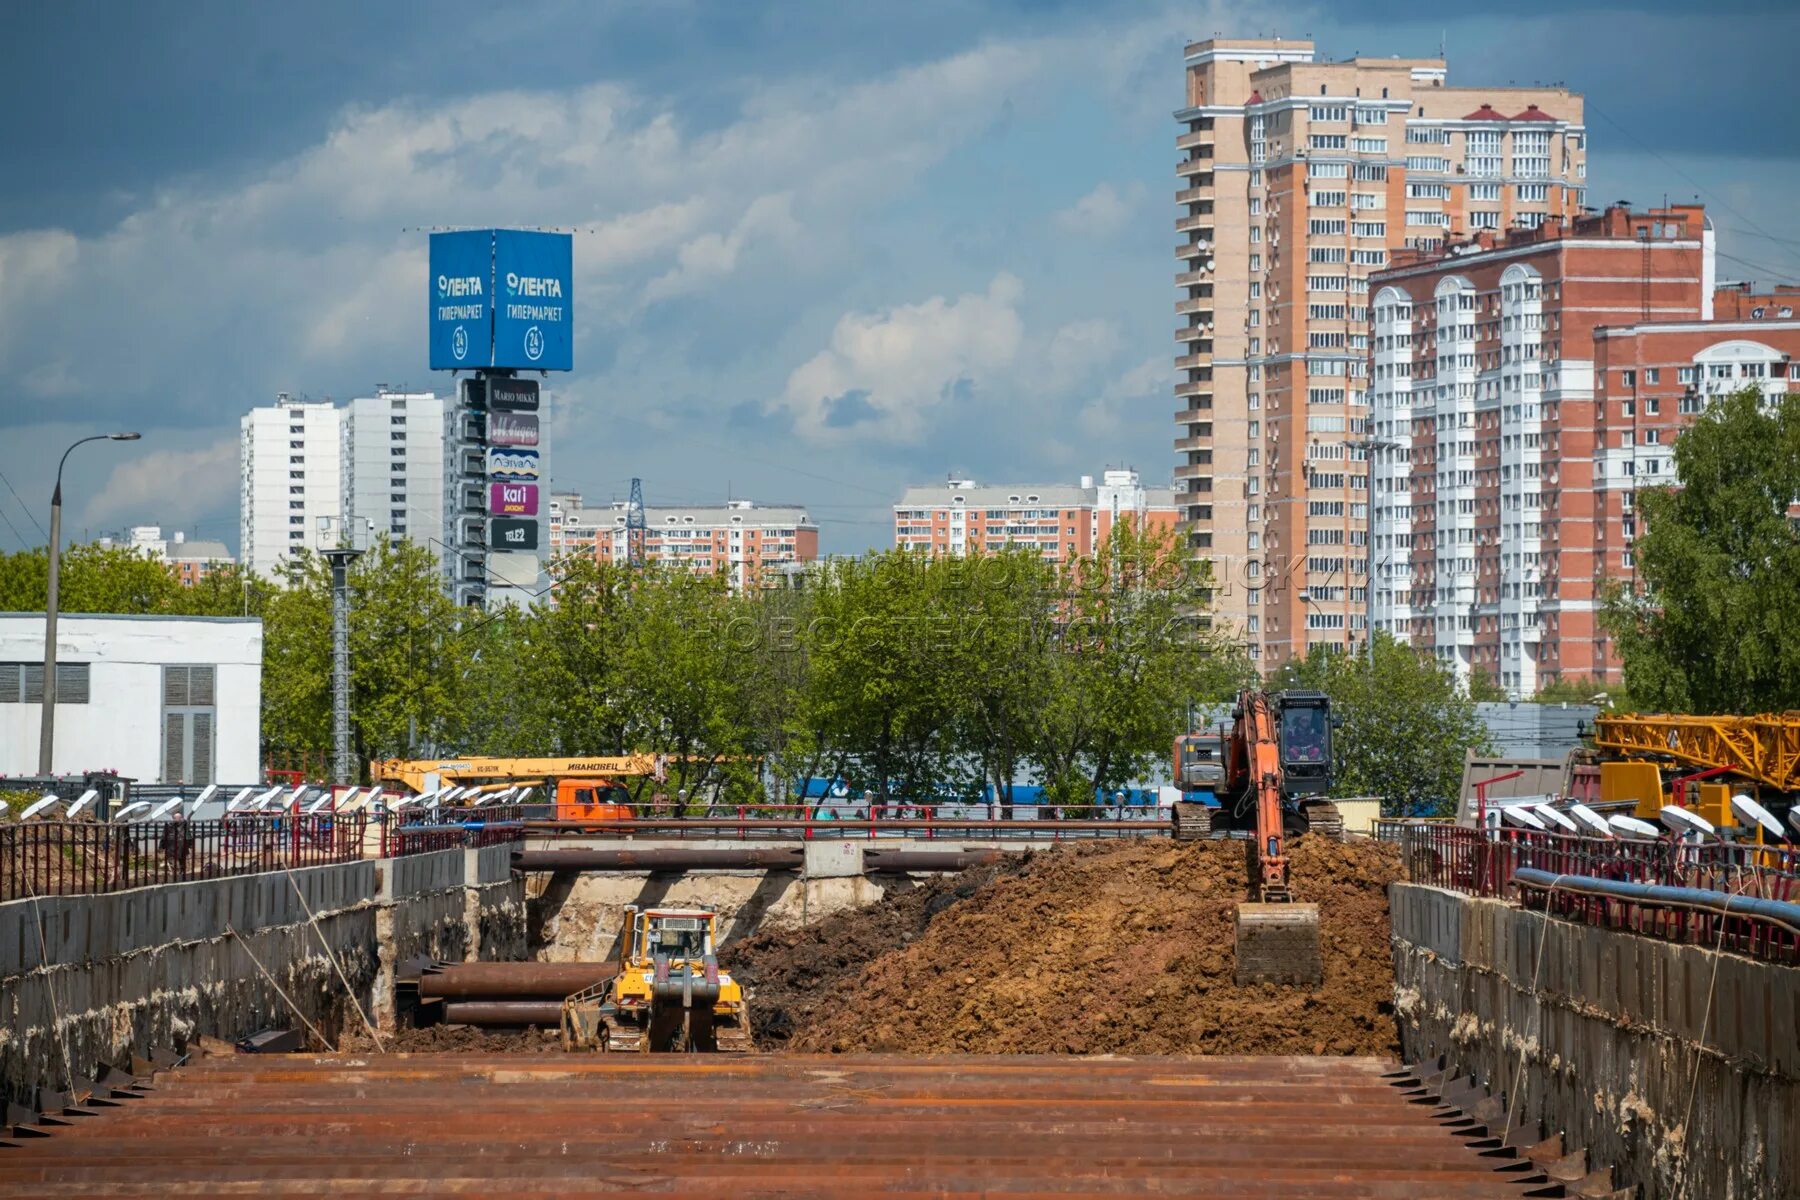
1305	737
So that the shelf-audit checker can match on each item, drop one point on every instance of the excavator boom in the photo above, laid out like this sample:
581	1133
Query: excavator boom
1277	937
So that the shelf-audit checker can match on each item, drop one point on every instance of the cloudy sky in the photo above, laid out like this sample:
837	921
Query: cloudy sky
823	249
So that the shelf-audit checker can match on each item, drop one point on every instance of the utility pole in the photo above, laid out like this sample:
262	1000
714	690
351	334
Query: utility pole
343	765
47	723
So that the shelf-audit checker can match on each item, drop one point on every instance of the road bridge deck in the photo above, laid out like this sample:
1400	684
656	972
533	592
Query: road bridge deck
525	1126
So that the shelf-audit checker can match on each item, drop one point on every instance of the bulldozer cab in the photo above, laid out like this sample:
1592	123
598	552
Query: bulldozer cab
678	936
1304	732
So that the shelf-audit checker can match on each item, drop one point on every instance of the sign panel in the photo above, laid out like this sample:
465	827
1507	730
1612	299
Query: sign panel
512	429
512	395
512	534
512	464
460	295
534	286
513	499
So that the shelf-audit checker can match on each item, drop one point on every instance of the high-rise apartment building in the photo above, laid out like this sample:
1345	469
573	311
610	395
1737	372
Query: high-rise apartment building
747	542
960	517
1299	179
308	465
290	479
393	461
1524	385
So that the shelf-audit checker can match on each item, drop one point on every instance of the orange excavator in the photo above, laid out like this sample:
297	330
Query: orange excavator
1266	779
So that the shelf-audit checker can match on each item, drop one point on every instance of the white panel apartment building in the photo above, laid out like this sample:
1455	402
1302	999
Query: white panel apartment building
289	460
380	458
394	465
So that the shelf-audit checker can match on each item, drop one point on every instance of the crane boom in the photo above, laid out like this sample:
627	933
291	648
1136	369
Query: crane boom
413	772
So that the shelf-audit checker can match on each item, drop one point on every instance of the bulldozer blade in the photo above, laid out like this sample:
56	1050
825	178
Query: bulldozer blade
1279	943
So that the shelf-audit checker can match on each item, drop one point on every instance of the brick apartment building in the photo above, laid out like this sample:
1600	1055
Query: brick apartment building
1522	387
189	559
752	544
960	517
1299	179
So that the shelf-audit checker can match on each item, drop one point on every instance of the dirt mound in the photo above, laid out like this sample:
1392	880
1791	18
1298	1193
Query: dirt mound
794	975
1103	948
453	1039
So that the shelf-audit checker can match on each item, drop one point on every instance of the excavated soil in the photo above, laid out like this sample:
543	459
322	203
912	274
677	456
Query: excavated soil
794	976
1096	948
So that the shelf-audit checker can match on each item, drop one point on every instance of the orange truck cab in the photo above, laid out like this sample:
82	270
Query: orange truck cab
591	800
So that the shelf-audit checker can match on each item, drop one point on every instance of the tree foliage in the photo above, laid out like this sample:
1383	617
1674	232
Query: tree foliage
1712	622
120	579
1405	724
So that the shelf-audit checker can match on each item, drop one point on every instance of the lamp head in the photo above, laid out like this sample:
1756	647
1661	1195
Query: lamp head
124	437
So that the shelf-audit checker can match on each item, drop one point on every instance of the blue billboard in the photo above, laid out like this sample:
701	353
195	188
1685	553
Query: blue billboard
534	286
461	294
501	298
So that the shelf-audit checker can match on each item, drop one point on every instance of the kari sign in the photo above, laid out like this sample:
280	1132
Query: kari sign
512	429
508	463
505	534
513	499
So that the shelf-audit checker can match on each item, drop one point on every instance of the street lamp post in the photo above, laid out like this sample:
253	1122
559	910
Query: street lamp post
47	725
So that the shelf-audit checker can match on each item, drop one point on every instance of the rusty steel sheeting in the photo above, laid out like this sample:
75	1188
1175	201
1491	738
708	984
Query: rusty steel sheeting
542	1013
659	859
512	980
528	1126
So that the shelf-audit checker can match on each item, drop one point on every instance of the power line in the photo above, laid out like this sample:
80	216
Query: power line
15	529
24	506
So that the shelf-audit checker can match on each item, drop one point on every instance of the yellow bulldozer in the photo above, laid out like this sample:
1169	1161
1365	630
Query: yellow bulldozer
668	995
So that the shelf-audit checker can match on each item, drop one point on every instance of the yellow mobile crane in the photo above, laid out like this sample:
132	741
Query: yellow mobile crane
585	789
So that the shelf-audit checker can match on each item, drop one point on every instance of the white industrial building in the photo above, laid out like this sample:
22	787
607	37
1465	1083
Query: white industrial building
289	461
155	699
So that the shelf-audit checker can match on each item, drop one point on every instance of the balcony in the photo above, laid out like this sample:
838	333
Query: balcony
1193	138
1197	169
1195	195
1196	252
1200	223
1194	279
1203	442
1203	305
1194	387
1189	362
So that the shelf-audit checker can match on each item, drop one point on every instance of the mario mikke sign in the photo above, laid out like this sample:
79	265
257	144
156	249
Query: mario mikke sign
501	298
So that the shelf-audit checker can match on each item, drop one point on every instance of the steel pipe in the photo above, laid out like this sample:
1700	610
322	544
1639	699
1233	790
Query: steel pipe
897	861
659	859
545	1014
512	980
1778	912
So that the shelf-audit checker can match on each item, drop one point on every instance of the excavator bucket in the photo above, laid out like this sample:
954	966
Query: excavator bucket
1279	943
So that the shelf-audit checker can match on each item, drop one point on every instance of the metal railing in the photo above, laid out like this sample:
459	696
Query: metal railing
67	858
1743	924
856	820
1466	860
48	858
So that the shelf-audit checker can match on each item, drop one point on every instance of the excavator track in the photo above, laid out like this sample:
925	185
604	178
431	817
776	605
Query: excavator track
1323	820
1193	822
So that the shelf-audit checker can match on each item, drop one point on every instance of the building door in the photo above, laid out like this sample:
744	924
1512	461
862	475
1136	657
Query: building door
188	722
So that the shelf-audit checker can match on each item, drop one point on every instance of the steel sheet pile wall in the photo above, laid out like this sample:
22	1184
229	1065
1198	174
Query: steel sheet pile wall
1618	1045
89	980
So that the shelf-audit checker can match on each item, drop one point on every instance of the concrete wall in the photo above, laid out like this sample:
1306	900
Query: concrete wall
87	980
576	917
1618	1047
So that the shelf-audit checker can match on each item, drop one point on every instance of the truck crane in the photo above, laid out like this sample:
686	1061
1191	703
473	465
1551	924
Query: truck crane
584	789
1267	779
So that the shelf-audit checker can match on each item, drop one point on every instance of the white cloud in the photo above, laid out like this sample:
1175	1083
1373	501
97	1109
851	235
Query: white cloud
1120	402
1102	212
707	259
886	374
172	486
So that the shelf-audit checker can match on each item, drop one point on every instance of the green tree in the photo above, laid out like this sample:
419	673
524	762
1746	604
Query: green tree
1405	725
1712	622
114	579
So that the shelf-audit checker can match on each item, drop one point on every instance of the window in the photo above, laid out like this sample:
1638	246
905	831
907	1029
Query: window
1325	312
1325	254
1369	258
1373	229
1420	217
1427	191
1481	149
1330	170
1427	136
1484	191
1429	164
1369	145
1331	112
1328	199
1371	116
1532	192
1653	375
1366	201
1484	220
23	683
1333	225
1531	153
1326	141
188	716
1628	378
1326	283
1370	172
